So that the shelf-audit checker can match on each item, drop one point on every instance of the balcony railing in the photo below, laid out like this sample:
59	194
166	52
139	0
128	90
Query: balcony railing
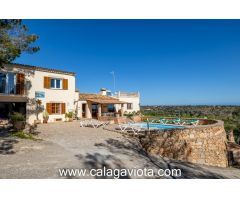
127	94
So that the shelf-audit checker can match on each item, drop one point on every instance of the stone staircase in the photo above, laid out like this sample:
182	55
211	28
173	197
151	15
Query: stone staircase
233	154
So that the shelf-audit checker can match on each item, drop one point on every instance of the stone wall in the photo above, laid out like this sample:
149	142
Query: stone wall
233	154
204	144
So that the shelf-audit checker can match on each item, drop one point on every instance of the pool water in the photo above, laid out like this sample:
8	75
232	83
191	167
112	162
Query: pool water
159	126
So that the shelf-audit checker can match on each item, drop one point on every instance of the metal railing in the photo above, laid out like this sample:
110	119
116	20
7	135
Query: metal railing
127	94
108	114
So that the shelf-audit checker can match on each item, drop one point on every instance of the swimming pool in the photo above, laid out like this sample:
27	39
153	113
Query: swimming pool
159	126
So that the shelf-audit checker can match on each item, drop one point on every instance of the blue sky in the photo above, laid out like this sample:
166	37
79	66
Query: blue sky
168	61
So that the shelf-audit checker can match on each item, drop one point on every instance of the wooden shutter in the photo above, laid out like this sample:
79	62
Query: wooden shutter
63	108
65	84
20	84
46	82
49	108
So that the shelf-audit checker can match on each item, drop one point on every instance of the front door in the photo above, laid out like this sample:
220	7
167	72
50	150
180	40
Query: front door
84	110
94	110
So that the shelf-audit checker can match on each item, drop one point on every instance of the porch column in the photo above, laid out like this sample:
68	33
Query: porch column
122	109
79	108
88	110
99	110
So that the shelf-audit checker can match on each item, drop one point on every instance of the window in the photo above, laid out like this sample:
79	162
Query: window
109	94
56	83
11	83
56	108
129	106
111	108
7	83
2	83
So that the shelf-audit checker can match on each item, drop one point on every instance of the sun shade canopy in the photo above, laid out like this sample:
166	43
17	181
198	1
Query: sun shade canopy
101	99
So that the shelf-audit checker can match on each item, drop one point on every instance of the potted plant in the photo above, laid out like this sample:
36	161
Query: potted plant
69	116
18	121
45	117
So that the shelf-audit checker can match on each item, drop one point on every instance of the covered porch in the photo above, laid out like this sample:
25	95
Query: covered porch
10	104
100	107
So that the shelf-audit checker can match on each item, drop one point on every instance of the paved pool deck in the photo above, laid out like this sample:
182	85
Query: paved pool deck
67	145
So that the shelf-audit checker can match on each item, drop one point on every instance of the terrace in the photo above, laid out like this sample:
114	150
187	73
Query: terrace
126	94
67	145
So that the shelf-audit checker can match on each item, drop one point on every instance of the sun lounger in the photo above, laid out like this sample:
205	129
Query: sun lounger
137	129
103	124
179	121
93	123
193	122
161	121
154	121
86	123
131	127
82	123
123	127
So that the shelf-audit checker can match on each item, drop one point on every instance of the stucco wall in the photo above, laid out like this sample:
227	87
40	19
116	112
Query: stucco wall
134	100
36	82
204	144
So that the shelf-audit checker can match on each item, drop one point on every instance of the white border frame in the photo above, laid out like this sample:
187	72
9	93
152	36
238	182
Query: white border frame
120	9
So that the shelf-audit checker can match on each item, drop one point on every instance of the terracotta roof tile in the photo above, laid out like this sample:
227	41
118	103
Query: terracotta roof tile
98	98
30	67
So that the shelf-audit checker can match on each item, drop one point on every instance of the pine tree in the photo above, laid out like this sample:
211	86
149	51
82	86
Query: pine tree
14	40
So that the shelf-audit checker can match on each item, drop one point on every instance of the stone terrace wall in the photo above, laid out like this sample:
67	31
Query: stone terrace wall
204	144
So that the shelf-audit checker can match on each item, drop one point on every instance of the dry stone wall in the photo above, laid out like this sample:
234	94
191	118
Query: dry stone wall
204	144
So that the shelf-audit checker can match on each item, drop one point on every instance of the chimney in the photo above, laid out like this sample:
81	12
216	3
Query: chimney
103	91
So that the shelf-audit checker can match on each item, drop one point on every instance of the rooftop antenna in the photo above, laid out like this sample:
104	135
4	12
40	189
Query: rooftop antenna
114	81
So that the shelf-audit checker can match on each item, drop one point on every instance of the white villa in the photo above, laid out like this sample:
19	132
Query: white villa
22	86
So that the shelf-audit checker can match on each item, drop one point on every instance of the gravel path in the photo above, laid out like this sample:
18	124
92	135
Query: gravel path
66	145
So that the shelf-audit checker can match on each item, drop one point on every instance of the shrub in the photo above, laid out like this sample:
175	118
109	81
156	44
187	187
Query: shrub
69	115
22	135
17	117
45	114
128	114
